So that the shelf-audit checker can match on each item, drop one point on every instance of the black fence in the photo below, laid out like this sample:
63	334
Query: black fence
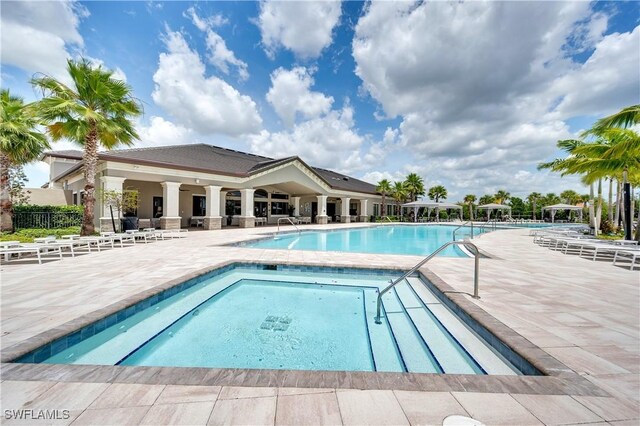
46	220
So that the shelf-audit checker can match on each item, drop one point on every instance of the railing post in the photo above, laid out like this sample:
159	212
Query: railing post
476	271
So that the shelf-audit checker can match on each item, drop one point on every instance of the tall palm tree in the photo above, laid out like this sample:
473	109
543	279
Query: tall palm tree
533	200
469	199
20	143
399	194
625	118
414	185
437	192
570	196
384	188
94	112
501	196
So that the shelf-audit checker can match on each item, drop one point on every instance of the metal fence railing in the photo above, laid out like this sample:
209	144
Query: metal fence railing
46	220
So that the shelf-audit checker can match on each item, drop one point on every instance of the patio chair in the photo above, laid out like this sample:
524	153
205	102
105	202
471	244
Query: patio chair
38	249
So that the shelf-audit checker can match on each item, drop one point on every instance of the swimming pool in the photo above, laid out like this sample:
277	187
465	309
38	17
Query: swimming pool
285	317
418	240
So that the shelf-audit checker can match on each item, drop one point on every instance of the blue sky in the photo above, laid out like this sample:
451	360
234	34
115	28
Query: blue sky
470	95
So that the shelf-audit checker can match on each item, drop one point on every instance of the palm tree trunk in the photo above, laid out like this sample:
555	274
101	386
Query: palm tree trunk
534	210
599	211
90	159
610	206
384	205
6	213
616	220
592	216
470	211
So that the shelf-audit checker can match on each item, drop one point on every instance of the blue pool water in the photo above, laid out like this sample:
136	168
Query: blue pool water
287	318
387	239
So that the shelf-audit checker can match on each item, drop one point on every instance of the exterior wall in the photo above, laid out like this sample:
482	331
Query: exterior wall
49	196
57	166
146	192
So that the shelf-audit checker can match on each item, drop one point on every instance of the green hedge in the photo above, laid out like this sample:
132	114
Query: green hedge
34	208
27	235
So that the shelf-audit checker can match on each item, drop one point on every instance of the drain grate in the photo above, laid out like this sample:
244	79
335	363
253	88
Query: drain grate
276	323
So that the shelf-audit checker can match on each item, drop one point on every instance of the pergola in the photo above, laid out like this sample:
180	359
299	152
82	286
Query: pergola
429	205
554	208
493	206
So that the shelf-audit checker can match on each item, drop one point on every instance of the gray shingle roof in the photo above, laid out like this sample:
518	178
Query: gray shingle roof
214	159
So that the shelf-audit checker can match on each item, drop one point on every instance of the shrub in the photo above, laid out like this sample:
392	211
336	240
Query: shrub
27	235
34	208
606	227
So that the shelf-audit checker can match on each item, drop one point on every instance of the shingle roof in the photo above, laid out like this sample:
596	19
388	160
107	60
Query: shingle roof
214	159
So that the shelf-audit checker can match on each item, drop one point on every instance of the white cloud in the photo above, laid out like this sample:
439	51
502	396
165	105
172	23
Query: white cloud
483	88
163	132
330	141
290	94
219	54
209	105
610	74
35	42
303	27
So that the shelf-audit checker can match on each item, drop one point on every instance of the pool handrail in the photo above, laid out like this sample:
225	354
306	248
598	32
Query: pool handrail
288	219
463	224
476	255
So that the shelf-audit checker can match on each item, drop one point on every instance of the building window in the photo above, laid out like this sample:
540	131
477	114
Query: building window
260	193
279	196
376	209
199	205
233	208
157	207
353	209
75	198
280	208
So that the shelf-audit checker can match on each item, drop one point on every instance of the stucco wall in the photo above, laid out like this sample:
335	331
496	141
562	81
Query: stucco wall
49	196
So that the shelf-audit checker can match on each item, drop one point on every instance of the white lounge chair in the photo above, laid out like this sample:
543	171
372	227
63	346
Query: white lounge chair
38	249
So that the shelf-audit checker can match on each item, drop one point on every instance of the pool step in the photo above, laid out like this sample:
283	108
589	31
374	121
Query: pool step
452	358
486	358
384	349
413	349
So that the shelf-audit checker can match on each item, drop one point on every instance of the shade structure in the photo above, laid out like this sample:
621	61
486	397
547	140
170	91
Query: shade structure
555	207
493	206
429	205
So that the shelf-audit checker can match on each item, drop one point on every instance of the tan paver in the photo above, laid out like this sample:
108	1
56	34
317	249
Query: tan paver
112	416
237	392
371	407
178	394
428	408
557	409
611	409
193	413
309	409
495	409
245	411
17	394
128	395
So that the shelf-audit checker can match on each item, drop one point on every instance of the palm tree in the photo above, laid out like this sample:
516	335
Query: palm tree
95	111
570	196
625	118
384	188
469	199
20	143
437	192
533	200
501	196
399	194
414	185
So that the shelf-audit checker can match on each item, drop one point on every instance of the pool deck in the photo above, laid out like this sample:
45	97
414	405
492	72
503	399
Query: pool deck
584	314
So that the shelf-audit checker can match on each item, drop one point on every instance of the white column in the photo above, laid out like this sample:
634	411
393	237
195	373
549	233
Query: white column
246	202
223	203
345	216
364	214
171	199
212	200
296	206
321	218
110	183
170	205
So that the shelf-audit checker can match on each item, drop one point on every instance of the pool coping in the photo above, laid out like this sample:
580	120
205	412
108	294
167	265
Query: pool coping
558	378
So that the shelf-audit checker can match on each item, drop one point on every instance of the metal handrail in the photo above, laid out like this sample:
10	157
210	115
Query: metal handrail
288	219
387	217
489	222
476	255
463	224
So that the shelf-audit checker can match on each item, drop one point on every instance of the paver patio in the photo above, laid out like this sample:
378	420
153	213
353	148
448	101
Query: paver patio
584	313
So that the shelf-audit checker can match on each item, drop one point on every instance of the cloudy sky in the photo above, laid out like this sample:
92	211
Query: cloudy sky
471	95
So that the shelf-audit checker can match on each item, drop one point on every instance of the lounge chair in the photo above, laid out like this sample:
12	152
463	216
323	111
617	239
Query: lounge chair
38	249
